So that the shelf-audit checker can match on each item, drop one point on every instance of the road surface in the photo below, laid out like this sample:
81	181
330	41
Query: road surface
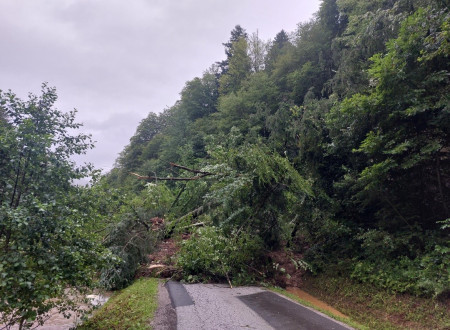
215	306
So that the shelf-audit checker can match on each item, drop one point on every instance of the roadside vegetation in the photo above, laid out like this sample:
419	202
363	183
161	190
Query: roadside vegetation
377	308
330	144
130	308
344	319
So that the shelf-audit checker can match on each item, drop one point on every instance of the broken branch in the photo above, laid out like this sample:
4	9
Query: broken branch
190	169
141	177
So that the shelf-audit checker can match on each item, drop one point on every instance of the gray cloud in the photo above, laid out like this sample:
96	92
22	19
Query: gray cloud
115	61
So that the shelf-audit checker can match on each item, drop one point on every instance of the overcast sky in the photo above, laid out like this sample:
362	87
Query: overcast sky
117	60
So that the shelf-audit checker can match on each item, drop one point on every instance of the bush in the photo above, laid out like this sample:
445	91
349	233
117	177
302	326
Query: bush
426	275
399	263
211	255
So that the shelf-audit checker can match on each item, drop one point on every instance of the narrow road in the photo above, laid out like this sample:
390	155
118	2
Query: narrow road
215	306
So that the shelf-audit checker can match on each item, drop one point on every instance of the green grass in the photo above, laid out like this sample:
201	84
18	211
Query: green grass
292	296
376	308
131	308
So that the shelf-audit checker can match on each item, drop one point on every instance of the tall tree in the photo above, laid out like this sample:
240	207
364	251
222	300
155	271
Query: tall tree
257	52
147	129
199	96
43	249
236	34
238	69
277	47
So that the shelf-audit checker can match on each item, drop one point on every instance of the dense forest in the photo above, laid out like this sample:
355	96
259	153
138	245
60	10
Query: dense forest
331	141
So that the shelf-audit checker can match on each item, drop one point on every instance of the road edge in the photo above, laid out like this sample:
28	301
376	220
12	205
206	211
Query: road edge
349	323
165	317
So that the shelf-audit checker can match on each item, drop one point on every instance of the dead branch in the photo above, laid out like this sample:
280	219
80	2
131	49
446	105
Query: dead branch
190	169
198	224
141	177
178	197
194	213
228	278
201	175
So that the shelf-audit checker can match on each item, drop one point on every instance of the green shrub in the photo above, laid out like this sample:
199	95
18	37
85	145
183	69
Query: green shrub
399	263
211	254
426	275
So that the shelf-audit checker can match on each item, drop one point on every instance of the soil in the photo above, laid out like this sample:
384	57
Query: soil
166	250
161	262
286	271
315	302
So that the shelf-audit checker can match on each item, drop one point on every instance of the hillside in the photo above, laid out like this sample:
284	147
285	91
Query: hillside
332	141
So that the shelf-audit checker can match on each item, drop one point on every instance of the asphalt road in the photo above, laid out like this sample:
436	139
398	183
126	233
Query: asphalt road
214	306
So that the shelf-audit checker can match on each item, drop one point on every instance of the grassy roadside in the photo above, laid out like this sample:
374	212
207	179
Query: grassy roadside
131	308
374	308
345	320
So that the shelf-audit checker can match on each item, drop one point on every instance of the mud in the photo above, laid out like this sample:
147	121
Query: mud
314	301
